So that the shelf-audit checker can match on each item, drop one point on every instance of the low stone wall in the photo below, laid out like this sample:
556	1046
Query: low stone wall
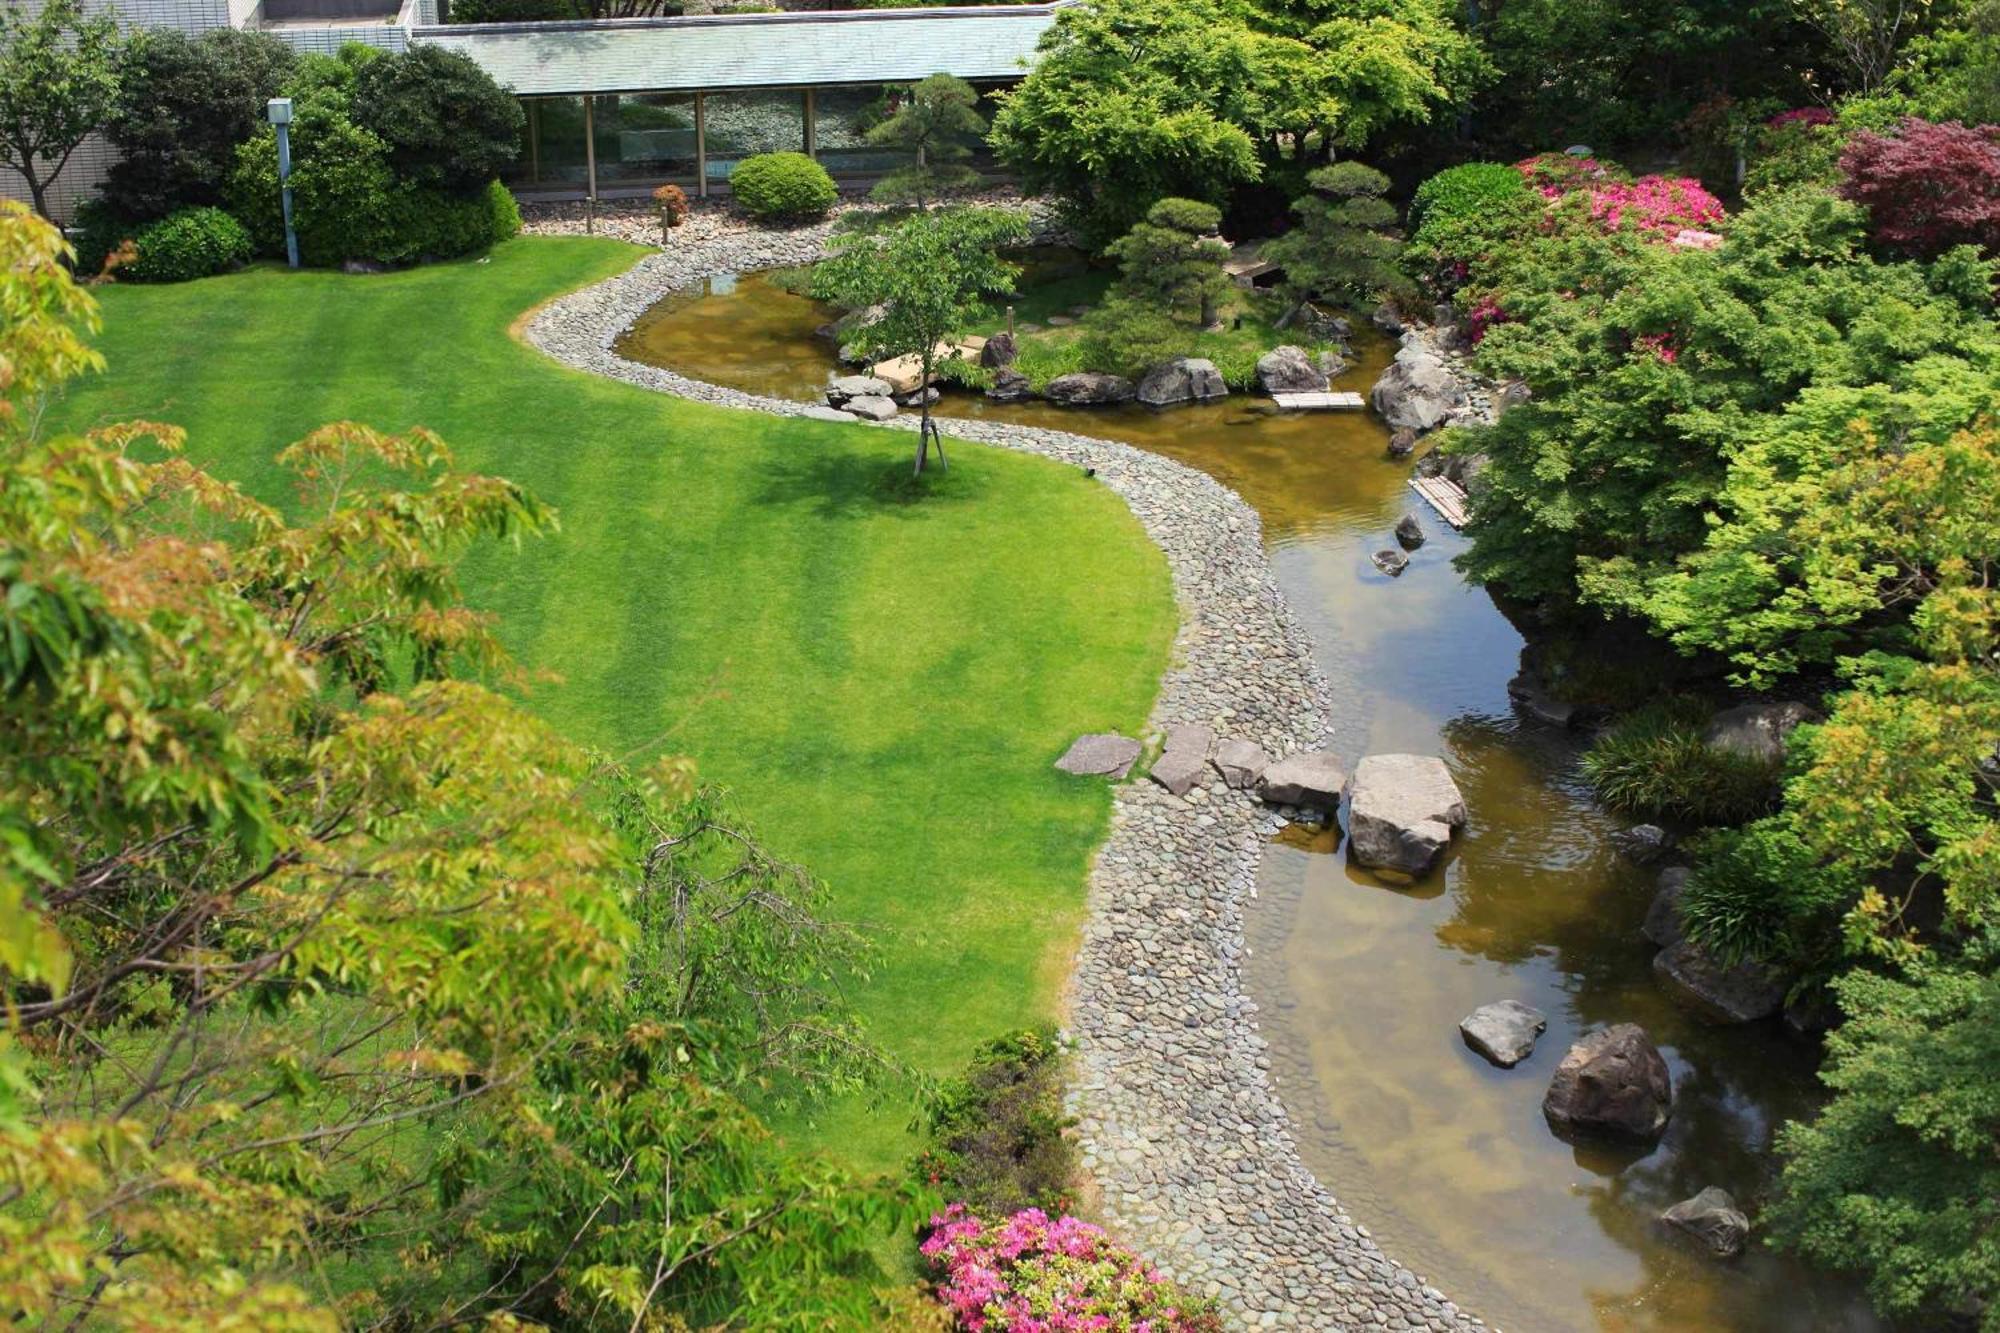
1178	1120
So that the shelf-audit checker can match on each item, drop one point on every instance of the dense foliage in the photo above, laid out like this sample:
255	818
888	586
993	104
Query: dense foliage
184	104
58	82
997	1140
352	198
782	187
339	989
1928	187
192	243
1654	764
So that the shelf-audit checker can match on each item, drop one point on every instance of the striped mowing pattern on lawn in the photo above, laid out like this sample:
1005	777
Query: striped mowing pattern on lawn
882	671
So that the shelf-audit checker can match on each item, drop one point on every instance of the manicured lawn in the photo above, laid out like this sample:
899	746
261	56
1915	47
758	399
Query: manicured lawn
883	674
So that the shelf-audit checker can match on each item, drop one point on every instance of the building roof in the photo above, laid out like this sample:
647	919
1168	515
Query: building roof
750	50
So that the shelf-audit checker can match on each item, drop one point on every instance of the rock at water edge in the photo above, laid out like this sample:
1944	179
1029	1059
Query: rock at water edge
1311	778
1390	562
1756	731
1404	809
856	386
1186	379
1740	993
1288	369
1100	754
1409	532
870	408
1504	1032
1241	763
1612	1084
1089	388
1663	919
1417	391
1642	844
999	351
1712	1218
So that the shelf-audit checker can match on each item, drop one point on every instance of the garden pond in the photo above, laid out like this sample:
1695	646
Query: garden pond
1444	1158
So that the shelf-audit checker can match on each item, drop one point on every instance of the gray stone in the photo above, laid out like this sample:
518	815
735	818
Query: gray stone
1185	379
1331	364
1089	388
1402	442
1000	350
1417	391
1642	844
1504	1032
1404	809
1740	993
845	387
1241	763
1100	754
1756	731
1712	1218
1409	532
1288	369
1010	386
1179	770
1533	698
1311	778
1611	1084
917	398
1390	562
1190	736
1388	318
869	407
1663	918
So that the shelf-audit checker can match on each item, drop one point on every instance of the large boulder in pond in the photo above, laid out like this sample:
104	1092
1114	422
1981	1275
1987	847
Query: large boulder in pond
1712	1218
1089	388
1756	732
1716	992
1288	369
1185	379
1417	391
1612	1084
1404	809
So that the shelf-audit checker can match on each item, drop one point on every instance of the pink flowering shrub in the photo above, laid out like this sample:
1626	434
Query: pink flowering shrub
1031	1274
1660	345
1803	115
1661	206
1479	320
1558	174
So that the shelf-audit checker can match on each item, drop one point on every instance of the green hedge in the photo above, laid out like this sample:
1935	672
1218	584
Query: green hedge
787	187
1465	191
193	243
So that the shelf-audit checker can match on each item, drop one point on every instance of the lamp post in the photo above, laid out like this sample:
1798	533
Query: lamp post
279	111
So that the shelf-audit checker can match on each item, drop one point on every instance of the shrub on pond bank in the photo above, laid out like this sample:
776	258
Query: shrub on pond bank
997	1131
1654	764
1036	1274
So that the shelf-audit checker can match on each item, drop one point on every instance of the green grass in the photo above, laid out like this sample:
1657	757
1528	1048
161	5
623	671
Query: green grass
882	671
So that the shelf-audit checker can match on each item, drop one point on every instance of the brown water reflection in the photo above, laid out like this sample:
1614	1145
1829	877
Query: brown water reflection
1444	1158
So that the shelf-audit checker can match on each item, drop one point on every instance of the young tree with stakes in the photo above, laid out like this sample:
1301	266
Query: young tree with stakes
58	82
937	123
931	275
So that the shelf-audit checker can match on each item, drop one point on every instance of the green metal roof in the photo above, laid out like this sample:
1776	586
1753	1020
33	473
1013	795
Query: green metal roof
750	50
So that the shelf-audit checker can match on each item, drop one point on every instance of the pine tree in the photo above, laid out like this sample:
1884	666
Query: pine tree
1172	262
935	121
1343	250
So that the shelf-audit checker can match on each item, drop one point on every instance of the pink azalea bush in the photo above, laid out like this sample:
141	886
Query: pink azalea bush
1658	205
1558	174
1032	1274
1803	115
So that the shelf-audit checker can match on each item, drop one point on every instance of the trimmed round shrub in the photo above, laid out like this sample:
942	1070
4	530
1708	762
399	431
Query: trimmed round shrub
193	243
1465	191
785	187
424	224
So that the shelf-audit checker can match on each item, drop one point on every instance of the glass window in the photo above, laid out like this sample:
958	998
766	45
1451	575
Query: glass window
552	156
645	137
741	125
842	118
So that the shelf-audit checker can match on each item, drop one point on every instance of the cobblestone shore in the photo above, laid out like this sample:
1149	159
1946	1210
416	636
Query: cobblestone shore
1180	1126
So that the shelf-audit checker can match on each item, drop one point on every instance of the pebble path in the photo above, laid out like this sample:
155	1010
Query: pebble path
1178	1118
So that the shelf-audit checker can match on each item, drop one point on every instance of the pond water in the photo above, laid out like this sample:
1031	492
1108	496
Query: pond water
1444	1158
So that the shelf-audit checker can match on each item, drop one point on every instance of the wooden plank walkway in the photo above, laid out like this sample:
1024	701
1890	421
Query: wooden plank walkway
1318	402
1444	495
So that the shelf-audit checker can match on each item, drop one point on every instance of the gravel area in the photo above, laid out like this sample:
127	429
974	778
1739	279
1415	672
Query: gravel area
1181	1128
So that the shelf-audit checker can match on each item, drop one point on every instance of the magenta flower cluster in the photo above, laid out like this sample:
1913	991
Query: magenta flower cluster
1034	1274
1659	205
1557	174
1808	116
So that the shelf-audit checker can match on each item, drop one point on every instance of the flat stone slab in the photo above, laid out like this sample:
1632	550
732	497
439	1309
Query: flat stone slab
1241	763
1102	754
1312	778
1405	808
870	408
1190	736
1179	770
1504	1032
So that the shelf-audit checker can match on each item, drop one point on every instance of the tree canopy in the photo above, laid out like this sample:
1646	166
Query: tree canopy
58	83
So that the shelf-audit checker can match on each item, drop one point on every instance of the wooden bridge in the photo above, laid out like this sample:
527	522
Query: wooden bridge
1318	402
1444	495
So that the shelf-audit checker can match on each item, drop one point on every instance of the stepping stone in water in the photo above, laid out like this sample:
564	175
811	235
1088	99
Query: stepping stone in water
1390	562
1241	763
1405	807
1712	1218
1503	1032
1310	778
1100	754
